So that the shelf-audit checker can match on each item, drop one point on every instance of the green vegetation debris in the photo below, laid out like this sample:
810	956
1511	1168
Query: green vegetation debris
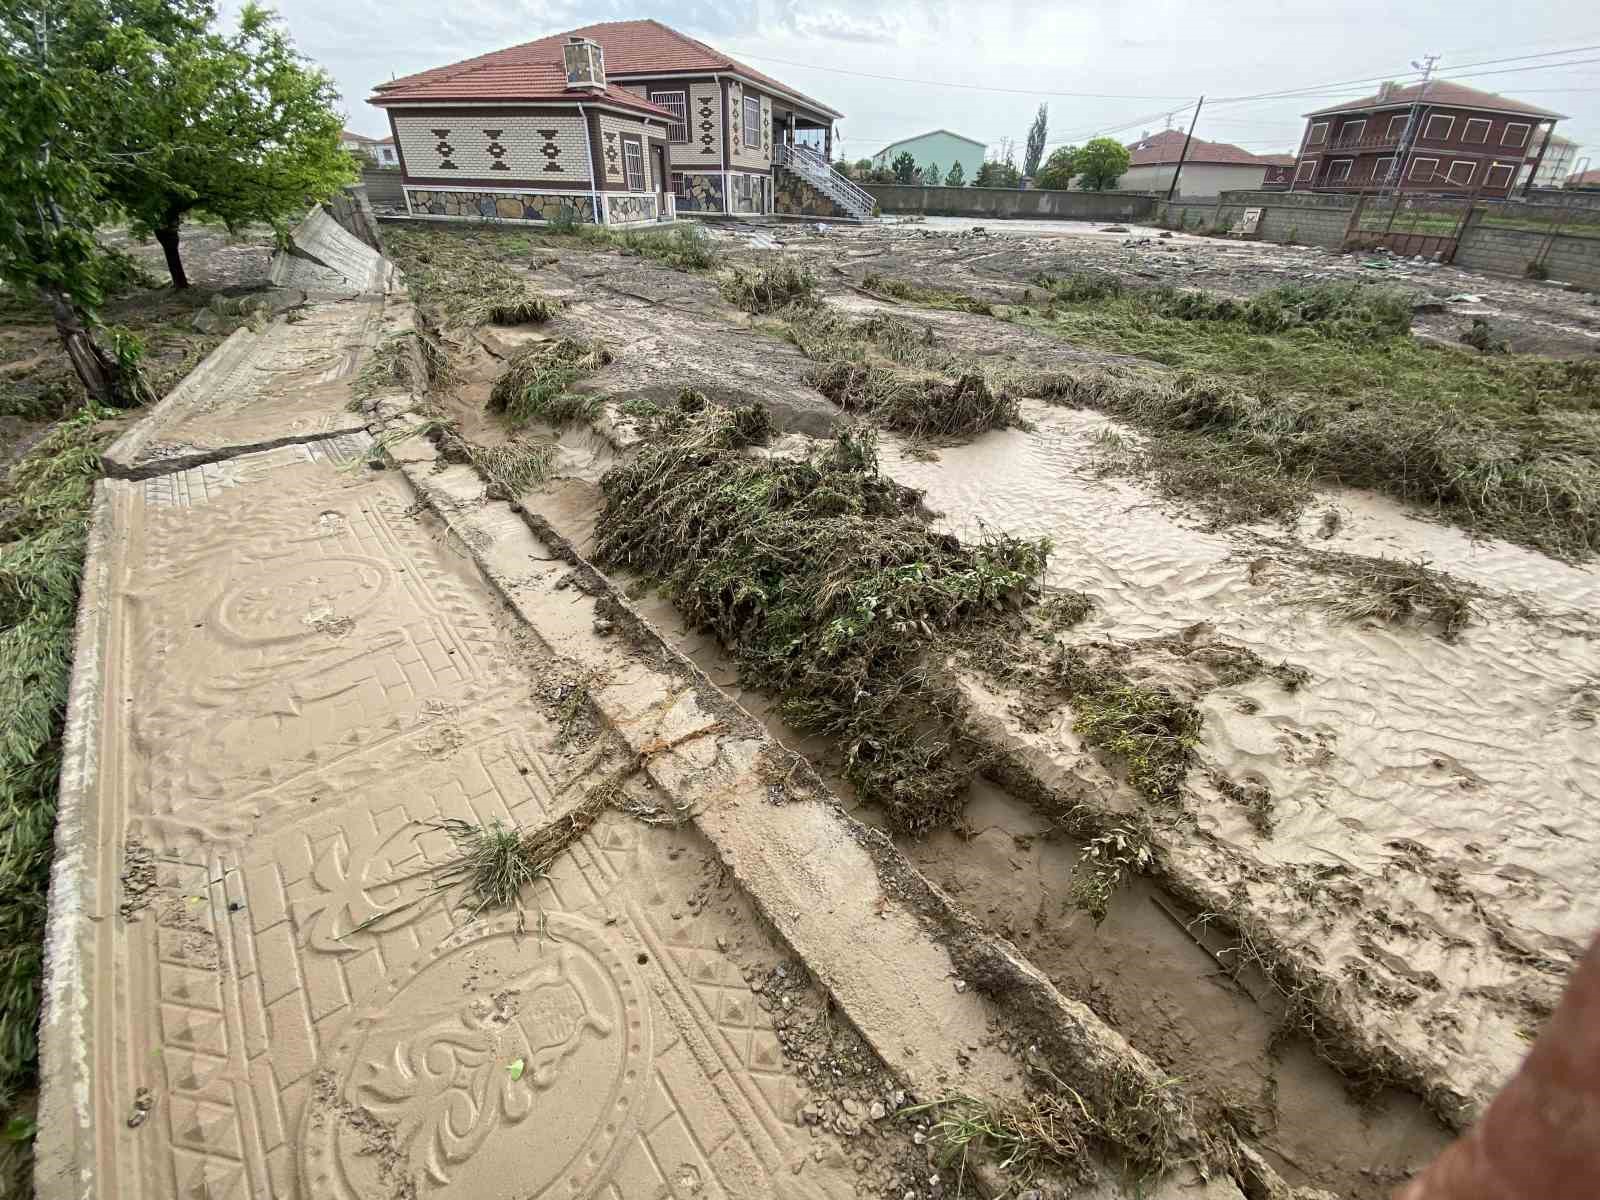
686	247
826	583
1394	591
914	403
928	297
464	278
534	386
771	288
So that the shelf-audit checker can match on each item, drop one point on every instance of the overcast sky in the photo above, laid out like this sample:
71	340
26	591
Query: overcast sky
1126	65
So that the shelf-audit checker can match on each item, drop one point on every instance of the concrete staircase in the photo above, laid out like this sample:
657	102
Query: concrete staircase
812	167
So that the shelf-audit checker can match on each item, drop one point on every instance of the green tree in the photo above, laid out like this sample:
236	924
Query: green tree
1034	154
1058	169
1100	164
931	175
995	174
60	98
863	168
904	167
956	176
233	128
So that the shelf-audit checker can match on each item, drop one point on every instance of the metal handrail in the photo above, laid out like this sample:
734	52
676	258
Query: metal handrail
813	166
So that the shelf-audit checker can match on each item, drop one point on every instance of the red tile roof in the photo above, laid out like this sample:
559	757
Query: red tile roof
1443	92
1164	147
535	71
1588	179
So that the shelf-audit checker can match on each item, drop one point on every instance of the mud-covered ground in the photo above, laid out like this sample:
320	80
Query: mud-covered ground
178	329
1423	857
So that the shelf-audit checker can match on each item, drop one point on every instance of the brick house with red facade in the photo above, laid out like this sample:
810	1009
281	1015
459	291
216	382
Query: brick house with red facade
1438	138
621	123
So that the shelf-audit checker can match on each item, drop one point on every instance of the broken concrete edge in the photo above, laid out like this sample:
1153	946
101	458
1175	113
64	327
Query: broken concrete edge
1338	1038
1080	1047
65	1164
121	458
318	224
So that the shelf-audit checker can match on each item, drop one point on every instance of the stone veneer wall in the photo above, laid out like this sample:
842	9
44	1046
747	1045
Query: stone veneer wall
504	206
740	155
702	193
611	130
629	208
795	197
539	147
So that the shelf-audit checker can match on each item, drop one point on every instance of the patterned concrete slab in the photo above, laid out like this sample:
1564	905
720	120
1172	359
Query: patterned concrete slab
281	385
293	681
323	256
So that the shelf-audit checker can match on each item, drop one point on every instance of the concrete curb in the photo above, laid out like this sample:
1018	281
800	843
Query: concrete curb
66	1035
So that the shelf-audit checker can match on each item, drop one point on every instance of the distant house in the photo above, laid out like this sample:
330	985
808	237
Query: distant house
1437	137
1208	167
625	122
358	143
937	147
1587	181
1560	156
383	150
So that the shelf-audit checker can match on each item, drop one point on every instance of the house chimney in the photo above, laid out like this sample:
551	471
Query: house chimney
585	62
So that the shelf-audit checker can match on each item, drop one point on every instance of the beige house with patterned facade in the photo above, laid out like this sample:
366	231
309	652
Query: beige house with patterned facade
622	123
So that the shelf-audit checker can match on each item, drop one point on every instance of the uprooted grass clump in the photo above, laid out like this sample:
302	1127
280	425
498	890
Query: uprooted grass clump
1393	591
825	581
686	247
771	288
928	297
1507	446
915	403
468	278
535	385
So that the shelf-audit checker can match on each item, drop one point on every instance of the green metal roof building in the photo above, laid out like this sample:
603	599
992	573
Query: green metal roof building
940	147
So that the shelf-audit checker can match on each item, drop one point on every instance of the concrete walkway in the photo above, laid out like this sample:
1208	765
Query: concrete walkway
297	679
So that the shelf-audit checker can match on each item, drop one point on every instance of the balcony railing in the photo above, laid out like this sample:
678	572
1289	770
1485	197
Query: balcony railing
1344	145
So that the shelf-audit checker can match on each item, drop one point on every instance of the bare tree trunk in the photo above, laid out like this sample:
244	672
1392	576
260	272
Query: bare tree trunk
94	367
167	236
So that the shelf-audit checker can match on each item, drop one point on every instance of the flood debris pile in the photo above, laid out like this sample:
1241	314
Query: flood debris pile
915	404
1325	384
686	247
771	288
827	584
1392	591
928	297
466	281
536	383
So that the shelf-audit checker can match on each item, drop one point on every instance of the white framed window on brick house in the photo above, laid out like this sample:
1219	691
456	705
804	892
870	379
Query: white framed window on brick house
675	103
1397	125
1381	168
752	122
1352	132
1319	131
680	186
1476	130
1423	170
1461	172
1505	169
1439	127
1305	171
633	163
1340	171
1515	134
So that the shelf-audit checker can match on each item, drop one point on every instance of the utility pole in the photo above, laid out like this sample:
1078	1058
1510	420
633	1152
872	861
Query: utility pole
1184	153
1397	168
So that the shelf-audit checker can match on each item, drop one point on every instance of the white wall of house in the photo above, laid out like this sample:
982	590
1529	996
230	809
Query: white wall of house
1199	179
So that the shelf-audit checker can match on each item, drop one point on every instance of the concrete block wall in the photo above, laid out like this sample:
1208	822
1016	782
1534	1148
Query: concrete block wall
612	129
1004	203
1311	220
1509	251
383	187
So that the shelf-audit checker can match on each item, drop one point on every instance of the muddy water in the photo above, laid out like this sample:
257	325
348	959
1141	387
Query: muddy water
1140	970
1458	785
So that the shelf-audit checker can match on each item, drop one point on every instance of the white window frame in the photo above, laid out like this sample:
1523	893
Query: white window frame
1352	132
680	183
1305	171
633	161
1433	170
680	110
1427	128
1472	171
1393	132
1509	168
1315	138
1505	134
1380	169
752	128
1466	130
1333	166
